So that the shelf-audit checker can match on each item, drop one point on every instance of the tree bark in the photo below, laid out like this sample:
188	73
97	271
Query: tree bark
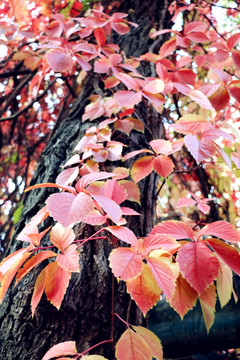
85	314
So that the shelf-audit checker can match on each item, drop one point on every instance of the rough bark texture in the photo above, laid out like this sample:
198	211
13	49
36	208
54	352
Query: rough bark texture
85	315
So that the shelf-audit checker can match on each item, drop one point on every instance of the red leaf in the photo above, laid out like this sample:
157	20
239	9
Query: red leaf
227	253
224	284
221	229
68	208
144	290
163	165
66	348
100	36
236	58
142	168
125	263
123	233
168	47
234	89
163	275
176	229
56	283
198	265
220	98
59	61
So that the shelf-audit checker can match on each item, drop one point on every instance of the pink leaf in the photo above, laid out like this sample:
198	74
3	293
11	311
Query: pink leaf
123	233
128	98
221	229
195	95
198	265
176	229
161	146
163	275
125	263
89	178
69	259
185	202
62	349
200	149
128	81
67	176
61	237
109	206
68	208
59	61
157	241
115	191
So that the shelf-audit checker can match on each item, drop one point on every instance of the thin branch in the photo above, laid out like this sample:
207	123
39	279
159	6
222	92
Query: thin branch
72	92
16	91
39	97
8	74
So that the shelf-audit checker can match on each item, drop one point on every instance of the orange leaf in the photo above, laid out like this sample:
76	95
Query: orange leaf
131	346
38	290
61	237
164	277
144	290
184	297
132	190
224	283
142	168
208	302
152	340
57	280
38	186
9	268
34	261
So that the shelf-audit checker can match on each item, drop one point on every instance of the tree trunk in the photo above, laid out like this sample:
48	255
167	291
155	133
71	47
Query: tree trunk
85	314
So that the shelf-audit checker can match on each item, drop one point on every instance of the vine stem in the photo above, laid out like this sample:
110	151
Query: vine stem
125	322
93	347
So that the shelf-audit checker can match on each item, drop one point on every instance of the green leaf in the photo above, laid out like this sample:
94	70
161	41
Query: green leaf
17	214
